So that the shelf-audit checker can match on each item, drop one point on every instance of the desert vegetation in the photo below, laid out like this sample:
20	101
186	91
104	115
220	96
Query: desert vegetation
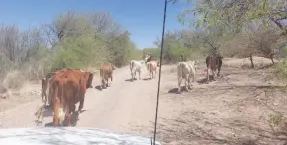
71	40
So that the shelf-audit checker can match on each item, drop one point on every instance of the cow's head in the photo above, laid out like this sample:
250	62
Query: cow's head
113	67
147	57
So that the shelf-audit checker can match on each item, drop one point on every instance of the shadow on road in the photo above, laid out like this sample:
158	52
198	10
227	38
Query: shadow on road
146	79
174	90
99	88
204	80
130	80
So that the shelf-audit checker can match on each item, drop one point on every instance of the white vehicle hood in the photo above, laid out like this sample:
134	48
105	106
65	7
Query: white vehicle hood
67	136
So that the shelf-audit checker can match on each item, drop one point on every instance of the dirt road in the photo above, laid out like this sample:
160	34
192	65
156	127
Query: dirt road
118	108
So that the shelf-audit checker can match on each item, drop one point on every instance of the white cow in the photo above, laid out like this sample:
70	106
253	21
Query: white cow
184	71
137	66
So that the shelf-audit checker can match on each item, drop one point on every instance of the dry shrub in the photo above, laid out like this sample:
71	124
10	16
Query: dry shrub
277	122
34	72
13	80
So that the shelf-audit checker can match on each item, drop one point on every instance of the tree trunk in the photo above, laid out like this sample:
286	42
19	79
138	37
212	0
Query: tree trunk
251	61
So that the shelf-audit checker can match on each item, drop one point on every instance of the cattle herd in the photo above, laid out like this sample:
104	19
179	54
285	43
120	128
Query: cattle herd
67	87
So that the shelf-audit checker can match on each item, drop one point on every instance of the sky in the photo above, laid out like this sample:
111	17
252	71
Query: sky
143	18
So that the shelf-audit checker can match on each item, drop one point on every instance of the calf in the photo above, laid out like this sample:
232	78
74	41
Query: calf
213	63
106	72
151	67
184	71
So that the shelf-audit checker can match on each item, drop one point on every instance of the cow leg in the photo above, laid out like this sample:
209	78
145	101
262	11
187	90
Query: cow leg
50	100
111	79
139	74
81	103
44	91
56	108
73	109
68	107
155	73
132	74
219	67
186	82
107	84
207	79
219	64
193	80
179	84
103	83
68	116
213	74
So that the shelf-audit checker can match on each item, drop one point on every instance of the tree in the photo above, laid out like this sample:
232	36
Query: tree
235	14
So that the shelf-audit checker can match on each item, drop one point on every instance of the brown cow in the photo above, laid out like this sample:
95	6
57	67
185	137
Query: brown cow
106	72
46	82
68	88
213	63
